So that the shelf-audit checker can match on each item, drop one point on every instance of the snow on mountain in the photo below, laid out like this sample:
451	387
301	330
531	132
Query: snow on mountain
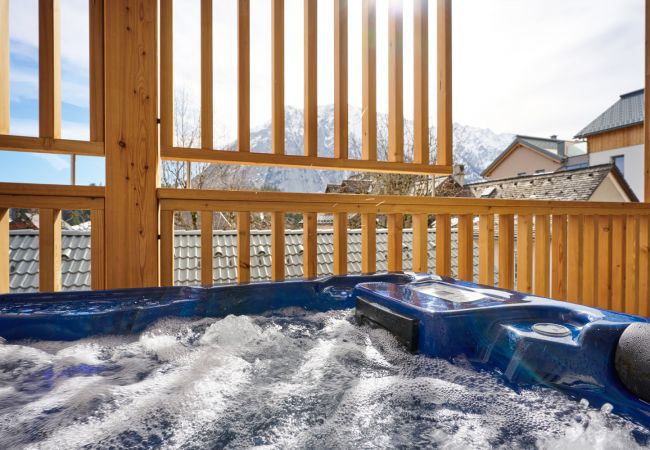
473	147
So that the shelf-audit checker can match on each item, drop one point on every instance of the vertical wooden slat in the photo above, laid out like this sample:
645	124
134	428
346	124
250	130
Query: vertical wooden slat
4	64
466	247
368	243
542	285
207	273
96	47
277	90
395	82
631	272
618	247
206	76
395	242
486	249
445	120
166	74
646	104
340	243
49	68
243	76
559	257
604	262
166	248
341	79
524	253
574	259
443	245
243	247
589	255
4	250
277	246
369	84
421	82
644	266
420	243
506	251
311	78
49	256
310	245
97	249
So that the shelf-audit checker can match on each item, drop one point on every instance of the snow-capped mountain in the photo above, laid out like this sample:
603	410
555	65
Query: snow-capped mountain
473	147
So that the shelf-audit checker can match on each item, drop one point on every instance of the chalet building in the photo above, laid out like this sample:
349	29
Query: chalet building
616	136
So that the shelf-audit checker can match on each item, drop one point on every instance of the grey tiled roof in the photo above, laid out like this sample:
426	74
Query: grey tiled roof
187	256
628	110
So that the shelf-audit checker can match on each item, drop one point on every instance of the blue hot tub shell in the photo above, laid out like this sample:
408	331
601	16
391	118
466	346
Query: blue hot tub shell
492	328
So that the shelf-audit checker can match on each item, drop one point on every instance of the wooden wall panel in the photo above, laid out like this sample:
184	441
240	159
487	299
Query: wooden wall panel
443	245
310	245
420	243
4	66
506	251
445	119
559	257
395	82
486	249
277	246
4	250
207	248
369	83
395	242
49	68
421	82
243	247
97	249
49	250
368	243
624	137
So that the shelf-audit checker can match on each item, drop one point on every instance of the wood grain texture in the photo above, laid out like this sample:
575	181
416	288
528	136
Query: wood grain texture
486	249
421	82
631	272
368	243
277	246
559	257
525	253
542	286
420	243
369	80
589	259
646	105
443	245
166	248
395	81
574	259
310	247
243	76
311	78
466	247
644	266
49	68
166	74
507	251
97	249
277	69
340	244
4	250
50	145
623	137
243	247
445	118
49	250
207	101
207	245
604	264
96	65
618	247
132	158
4	67
395	242
341	79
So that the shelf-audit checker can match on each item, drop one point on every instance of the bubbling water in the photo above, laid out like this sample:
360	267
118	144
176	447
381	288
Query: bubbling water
290	379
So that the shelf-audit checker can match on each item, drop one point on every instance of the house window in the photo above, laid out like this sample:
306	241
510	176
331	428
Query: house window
619	161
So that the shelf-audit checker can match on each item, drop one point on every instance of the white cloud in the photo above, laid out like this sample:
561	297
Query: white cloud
58	162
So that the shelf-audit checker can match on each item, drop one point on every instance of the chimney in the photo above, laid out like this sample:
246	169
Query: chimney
561	149
459	174
554	137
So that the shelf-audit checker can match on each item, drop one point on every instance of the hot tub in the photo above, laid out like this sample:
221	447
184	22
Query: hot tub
383	360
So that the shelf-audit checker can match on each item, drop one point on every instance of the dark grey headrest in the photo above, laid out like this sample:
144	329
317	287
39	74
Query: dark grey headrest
633	359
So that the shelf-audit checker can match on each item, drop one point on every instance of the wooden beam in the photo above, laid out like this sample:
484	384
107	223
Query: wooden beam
49	68
311	78
506	251
618	247
395	82
368	243
277	246
310	245
132	157
445	118
395	239
207	124
443	245
559	257
166	248
50	145
604	262
574	259
341	79
631	272
243	77
49	251
277	88
166	74
466	247
542	268
369	84
243	247
96	63
207	244
52	190
340	244
420	243
421	82
525	253
97	249
4	67
4	251
589	259
486	249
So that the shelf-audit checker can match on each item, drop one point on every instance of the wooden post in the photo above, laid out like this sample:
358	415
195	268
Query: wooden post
631	265
49	252
97	249
420	243
559	257
604	262
49	68
506	251
589	259
368	243
206	78
243	76
166	75
466	247
4	250
574	259
395	226
525	253
542	285
96	45
310	248
341	79
486	249
369	75
132	157
243	247
207	273
395	82
311	78
421	82
445	120
166	248
618	246
443	245
277	89
340	243
277	246
4	72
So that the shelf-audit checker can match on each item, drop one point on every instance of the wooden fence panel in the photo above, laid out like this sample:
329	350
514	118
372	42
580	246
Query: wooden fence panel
395	242
443	245
207	245
559	257
277	246
243	247
310	245
525	253
368	243
420	243
486	249
542	269
506	251
466	247
49	259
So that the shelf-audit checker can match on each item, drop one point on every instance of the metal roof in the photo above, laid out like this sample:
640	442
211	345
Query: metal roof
76	252
627	111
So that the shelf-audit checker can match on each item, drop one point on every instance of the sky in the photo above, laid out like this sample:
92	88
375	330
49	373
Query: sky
537	67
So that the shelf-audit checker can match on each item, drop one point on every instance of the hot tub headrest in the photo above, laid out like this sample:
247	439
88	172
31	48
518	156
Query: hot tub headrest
633	359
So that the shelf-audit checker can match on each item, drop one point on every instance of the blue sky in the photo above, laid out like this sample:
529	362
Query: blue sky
536	67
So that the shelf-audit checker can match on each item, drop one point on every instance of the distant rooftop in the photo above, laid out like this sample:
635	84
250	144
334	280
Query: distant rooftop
627	111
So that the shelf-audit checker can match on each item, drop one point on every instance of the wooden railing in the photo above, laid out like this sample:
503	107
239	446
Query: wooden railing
50	200
589	253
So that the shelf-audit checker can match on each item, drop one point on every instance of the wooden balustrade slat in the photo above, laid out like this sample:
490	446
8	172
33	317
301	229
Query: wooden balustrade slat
369	83
444	51
644	266
368	243
542	267
617	268
395	82
277	90
311	78
4	63
486	249
589	258
604	265
631	271
574	259
243	247
310	245
97	249
49	68
466	247
421	243
96	67
277	246
4	247
166	74
49	251
340	243
207	101
525	253
243	76
166	248
421	82
443	245
341	79
395	242
506	251
207	272
559	257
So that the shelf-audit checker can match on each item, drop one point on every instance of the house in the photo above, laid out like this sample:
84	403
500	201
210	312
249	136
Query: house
528	155
616	136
